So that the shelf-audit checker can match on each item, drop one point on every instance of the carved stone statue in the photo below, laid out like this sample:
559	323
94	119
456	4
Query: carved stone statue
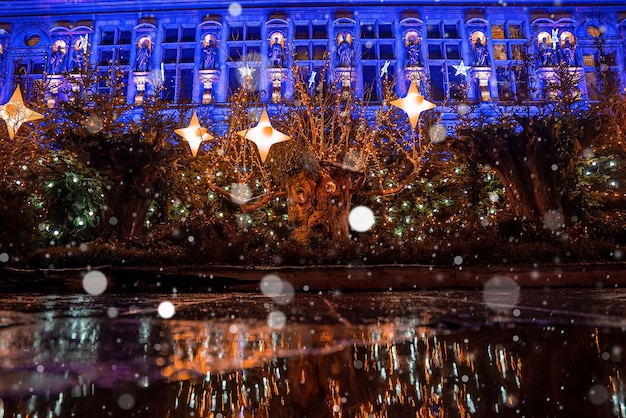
481	55
413	53
142	61
568	56
79	55
345	54
546	53
210	54
276	54
57	60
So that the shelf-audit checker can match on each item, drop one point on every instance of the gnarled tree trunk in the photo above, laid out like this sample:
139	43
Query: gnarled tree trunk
318	206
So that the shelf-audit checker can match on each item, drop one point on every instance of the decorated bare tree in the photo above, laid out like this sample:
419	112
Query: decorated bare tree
326	147
127	145
534	147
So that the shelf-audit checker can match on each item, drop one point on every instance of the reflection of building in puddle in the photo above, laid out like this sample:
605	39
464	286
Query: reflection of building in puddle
377	371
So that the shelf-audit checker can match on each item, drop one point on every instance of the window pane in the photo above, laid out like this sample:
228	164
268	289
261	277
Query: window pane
589	60
236	33
451	31
515	32
386	52
124	56
253	33
370	88
504	83
169	85
517	52
38	68
186	86
436	82
302	32
456	85
434	52
499	52
433	31
385	32
125	37
235	53
106	57
452	51
187	55
108	37
367	31
497	32
189	35
319	52
171	35
233	79
170	55
320	32
302	52
253	53
368	53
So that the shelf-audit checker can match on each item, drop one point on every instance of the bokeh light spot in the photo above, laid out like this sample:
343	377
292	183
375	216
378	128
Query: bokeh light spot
166	309
501	294
361	218
95	282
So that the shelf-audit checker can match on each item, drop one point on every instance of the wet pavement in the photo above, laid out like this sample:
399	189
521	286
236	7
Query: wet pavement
502	350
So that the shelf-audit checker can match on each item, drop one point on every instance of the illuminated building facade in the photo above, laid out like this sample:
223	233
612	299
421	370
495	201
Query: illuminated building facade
199	52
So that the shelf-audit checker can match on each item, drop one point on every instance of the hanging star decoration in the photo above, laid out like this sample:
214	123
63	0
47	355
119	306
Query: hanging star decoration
413	104
194	134
461	69
15	113
385	70
245	71
312	79
263	135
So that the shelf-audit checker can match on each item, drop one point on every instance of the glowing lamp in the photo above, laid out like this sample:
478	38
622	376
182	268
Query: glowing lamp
413	104
15	113
263	135
194	134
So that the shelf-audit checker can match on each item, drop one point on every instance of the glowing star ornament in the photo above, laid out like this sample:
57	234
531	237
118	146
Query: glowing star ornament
413	104
194	134
263	135
461	69
15	113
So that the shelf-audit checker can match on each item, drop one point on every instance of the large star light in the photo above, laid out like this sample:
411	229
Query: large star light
194	134
14	113
413	104
263	135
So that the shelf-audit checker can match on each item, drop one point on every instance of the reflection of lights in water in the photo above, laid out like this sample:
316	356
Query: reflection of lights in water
236	367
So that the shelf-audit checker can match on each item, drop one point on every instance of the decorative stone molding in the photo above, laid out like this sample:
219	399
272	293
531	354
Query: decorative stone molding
208	78
277	76
140	79
482	75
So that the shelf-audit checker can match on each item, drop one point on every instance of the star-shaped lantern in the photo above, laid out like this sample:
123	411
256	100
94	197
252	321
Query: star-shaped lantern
413	104
263	135
14	113
461	69
194	134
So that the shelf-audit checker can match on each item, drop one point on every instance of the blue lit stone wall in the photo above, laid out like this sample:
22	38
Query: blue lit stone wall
378	33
